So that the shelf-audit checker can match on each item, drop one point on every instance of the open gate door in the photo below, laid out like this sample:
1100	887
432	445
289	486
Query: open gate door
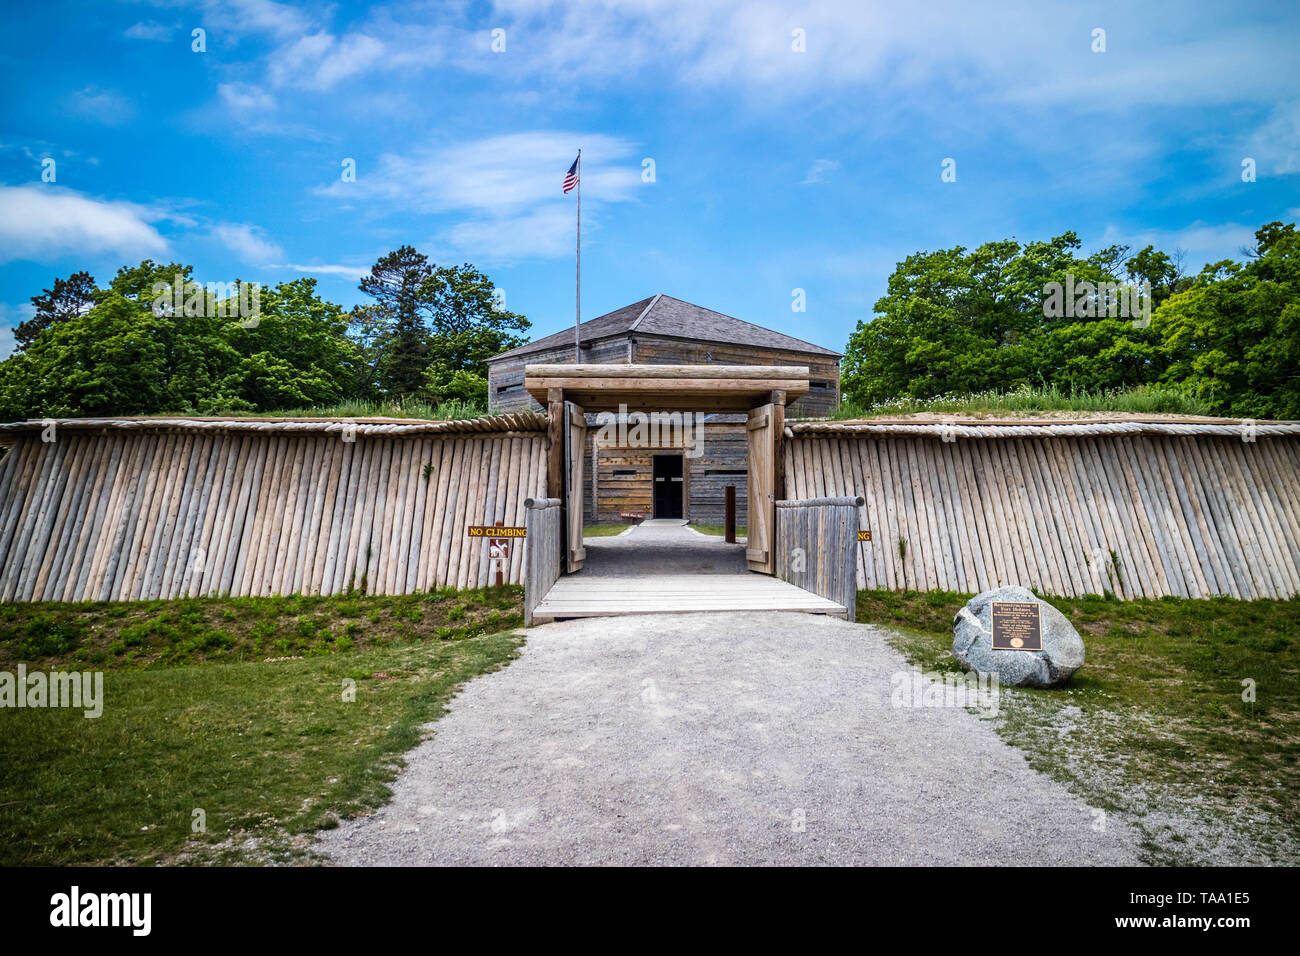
762	490
575	439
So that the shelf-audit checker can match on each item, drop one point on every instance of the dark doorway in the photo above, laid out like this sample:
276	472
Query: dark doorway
668	486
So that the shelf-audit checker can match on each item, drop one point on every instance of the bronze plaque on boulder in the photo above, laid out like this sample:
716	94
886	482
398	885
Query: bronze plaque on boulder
1016	626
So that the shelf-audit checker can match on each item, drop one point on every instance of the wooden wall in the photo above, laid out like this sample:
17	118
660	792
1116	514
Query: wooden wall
506	375
623	479
1137	515
823	371
153	513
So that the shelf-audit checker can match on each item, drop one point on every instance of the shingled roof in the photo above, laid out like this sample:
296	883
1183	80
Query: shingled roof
664	315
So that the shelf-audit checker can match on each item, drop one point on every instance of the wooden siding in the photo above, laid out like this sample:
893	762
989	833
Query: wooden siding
1136	515
819	401
506	375
138	515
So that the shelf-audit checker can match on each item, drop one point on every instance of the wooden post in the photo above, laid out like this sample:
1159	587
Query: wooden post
778	445
731	514
500	561
557	423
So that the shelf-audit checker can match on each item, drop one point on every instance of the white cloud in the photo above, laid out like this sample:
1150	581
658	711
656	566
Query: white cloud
353	54
248	243
319	61
344	272
149	30
818	170
508	188
42	222
103	106
545	233
244	98
1275	146
1017	51
254	17
499	175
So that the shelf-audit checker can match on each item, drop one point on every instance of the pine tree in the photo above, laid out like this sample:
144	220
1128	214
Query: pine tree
398	282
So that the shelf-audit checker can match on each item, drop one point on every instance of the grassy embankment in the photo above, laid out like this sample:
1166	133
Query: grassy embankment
396	408
1154	724
1143	400
232	707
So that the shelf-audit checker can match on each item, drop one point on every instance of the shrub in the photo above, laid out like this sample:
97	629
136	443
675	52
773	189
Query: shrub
43	636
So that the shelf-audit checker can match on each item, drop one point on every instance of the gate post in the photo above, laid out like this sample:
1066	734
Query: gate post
556	424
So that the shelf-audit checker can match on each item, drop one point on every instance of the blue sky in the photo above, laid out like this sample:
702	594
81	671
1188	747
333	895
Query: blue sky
775	168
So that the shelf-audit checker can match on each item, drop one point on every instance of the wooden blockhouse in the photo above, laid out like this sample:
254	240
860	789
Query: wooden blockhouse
667	470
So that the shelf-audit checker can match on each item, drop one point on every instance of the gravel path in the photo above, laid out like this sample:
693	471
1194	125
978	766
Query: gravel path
662	546
705	739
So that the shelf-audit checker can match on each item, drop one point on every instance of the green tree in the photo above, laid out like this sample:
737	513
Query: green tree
957	321
468	327
1233	337
393	328
156	341
431	330
298	353
107	361
64	299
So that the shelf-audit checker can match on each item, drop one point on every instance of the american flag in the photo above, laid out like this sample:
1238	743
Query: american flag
571	177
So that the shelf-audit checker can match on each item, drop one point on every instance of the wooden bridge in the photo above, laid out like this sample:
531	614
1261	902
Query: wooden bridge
575	596
662	566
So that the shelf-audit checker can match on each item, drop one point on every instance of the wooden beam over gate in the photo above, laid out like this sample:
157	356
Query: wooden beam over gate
699	388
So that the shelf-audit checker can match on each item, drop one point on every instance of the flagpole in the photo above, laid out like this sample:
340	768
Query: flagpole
577	296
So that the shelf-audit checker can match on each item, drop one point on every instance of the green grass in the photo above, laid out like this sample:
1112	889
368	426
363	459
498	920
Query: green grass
398	408
1142	400
1155	720
152	634
718	529
270	752
603	530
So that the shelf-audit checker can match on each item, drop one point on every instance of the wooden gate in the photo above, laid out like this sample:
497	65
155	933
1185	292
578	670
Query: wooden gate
575	437
762	491
541	551
816	547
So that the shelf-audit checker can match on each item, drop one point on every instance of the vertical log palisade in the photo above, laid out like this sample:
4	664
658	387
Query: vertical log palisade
146	510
